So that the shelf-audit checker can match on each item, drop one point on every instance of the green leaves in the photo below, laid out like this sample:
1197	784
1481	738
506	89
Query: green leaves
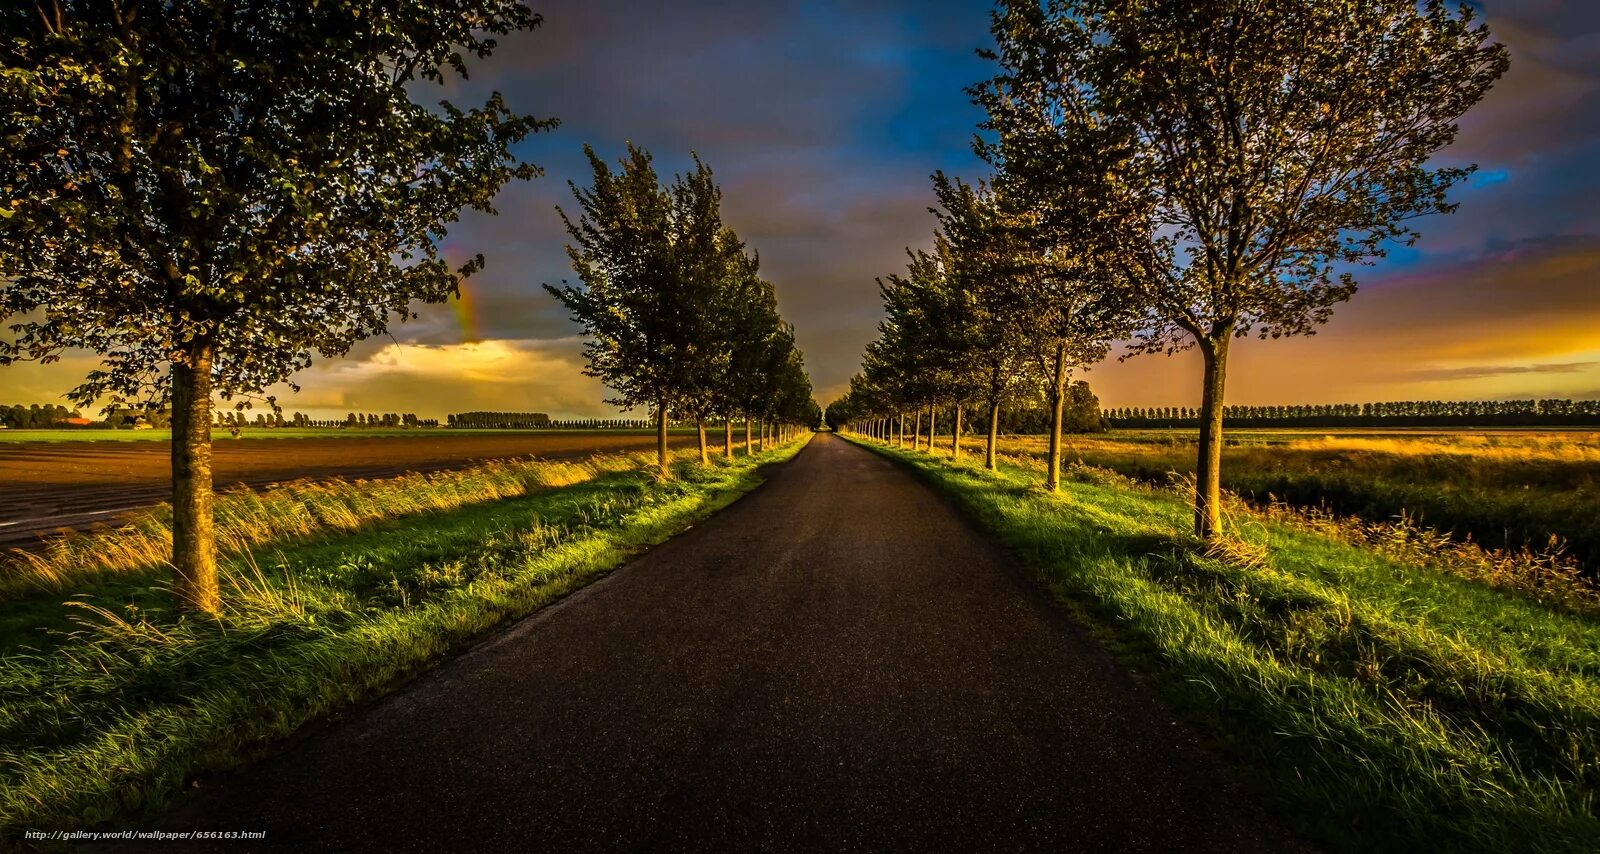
254	174
671	301
1228	156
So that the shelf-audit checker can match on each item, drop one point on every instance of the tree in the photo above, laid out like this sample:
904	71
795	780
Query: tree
758	332
673	306
717	273
1240	153
207	194
637	248
989	268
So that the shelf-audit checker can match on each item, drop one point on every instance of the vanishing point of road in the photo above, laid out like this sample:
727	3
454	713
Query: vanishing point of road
835	662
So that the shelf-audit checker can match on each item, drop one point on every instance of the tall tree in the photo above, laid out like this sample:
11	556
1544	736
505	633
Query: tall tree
722	276
632	295
757	331
660	279
208	192
989	270
1243	152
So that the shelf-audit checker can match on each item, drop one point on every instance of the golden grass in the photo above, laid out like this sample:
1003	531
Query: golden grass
245	518
1553	447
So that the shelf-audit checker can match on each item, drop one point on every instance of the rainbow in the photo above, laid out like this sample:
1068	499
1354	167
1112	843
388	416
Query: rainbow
465	308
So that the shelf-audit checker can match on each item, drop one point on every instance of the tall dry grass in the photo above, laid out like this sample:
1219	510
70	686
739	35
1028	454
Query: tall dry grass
1511	492
1563	447
247	518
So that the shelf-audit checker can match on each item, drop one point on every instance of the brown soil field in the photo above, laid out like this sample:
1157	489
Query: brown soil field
46	487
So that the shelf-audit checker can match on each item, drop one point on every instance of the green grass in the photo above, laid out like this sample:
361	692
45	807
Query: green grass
1376	704
117	713
1504	489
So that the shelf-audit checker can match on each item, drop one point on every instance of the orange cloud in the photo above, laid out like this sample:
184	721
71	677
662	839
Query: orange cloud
1518	324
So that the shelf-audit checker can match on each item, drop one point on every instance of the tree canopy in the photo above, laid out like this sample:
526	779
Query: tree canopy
676	316
207	194
1222	164
1179	173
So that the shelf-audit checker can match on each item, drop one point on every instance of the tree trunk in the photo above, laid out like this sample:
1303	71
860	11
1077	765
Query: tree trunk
1058	393
933	426
661	441
955	437
700	427
194	543
749	447
991	456
1208	468
916	431
727	438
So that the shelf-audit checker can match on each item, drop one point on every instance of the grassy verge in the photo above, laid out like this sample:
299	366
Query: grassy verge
88	434
1378	704
246	518
1503	491
137	700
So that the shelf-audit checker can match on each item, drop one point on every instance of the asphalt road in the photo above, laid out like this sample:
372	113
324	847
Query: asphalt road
836	662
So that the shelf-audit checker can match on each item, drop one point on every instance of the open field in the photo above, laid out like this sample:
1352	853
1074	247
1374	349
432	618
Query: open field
113	701
73	484
1379	702
1502	488
221	434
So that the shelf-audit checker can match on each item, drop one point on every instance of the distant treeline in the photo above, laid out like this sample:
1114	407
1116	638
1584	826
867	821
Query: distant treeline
539	421
1080	413
1405	413
351	420
36	417
52	416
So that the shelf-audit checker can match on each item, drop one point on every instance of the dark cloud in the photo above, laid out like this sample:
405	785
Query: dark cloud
1476	372
823	121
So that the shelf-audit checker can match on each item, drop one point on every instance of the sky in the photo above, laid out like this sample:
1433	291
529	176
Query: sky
823	122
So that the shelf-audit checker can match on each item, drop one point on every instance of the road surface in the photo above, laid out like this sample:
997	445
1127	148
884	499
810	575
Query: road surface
835	662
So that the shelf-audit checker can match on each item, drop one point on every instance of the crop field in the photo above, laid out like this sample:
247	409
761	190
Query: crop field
220	434
1503	489
59	483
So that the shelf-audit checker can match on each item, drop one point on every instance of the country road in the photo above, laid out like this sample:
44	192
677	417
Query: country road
836	661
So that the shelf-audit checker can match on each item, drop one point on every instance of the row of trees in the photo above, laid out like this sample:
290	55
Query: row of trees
351	420
677	317
1080	413
1175	174
498	420
542	421
209	194
36	417
1404	413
